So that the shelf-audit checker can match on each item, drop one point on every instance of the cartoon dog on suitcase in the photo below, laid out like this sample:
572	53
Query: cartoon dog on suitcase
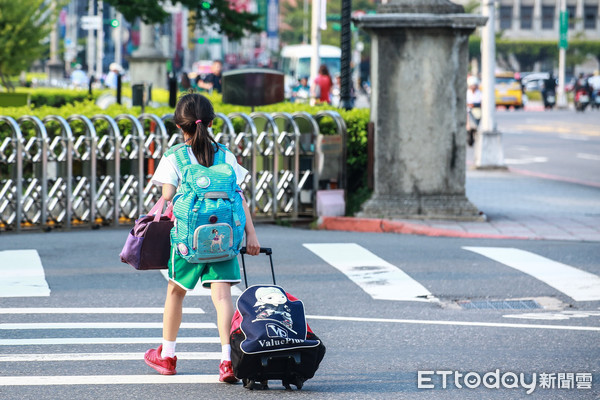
271	301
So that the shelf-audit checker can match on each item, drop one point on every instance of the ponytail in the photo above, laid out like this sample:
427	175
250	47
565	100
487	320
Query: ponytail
202	145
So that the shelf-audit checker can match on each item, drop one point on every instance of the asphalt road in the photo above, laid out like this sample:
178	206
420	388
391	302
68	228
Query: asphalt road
375	348
558	143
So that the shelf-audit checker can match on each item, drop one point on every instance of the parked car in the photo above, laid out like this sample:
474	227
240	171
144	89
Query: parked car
508	90
534	81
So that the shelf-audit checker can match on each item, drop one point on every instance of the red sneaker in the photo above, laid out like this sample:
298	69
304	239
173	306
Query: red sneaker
226	372
164	366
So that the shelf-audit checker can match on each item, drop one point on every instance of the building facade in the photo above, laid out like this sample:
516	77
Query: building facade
538	19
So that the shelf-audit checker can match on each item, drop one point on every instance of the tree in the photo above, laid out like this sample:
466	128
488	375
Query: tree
207	13
292	14
24	24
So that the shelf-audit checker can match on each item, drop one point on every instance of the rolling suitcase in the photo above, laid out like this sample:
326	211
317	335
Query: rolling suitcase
270	339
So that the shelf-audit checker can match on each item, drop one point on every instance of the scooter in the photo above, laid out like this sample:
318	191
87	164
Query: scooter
473	118
549	99
582	99
596	99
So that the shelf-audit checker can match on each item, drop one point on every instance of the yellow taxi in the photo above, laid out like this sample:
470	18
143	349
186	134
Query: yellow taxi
508	90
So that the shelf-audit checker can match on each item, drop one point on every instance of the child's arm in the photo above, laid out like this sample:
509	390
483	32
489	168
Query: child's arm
168	191
252	245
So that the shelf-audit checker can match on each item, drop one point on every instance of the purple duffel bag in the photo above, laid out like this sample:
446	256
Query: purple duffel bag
148	245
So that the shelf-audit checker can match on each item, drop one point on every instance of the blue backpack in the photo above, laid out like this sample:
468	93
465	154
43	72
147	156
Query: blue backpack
209	215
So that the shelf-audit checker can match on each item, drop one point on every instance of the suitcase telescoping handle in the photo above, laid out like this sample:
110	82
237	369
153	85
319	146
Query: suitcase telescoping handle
265	250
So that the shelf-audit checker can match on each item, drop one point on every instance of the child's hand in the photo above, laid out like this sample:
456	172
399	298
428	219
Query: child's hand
252	245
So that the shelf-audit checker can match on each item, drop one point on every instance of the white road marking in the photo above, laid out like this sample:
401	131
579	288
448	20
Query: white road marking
586	156
107	340
557	316
575	283
22	274
95	310
200	290
150	379
377	277
104	325
456	323
526	160
216	355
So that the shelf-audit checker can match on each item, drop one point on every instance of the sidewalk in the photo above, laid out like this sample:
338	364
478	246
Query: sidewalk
516	204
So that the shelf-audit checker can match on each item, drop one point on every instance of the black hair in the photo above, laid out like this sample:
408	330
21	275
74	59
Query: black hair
193	114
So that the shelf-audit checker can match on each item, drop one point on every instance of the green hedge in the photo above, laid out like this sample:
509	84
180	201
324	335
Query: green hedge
356	122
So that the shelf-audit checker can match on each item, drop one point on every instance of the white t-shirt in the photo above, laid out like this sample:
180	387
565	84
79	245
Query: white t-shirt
167	171
473	97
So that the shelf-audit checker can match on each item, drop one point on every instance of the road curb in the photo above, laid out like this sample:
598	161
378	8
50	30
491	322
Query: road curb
351	224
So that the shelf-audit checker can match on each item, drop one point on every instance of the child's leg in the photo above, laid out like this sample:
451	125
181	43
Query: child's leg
173	311
221	297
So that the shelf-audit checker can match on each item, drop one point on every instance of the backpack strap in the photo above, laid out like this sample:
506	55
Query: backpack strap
182	157
220	152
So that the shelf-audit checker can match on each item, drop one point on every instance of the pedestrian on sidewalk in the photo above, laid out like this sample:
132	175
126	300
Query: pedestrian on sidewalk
194	114
323	85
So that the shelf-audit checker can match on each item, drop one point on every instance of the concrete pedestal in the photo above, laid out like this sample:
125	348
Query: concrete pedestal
55	70
418	72
147	63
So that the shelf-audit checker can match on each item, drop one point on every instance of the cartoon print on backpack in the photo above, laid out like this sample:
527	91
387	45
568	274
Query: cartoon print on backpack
270	303
217	240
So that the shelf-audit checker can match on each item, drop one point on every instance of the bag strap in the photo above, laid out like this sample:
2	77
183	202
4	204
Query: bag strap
157	210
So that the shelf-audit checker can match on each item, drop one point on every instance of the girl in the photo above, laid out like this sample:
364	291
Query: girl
194	115
324	83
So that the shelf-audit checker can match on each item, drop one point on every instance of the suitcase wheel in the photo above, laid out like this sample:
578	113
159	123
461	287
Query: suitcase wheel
252	384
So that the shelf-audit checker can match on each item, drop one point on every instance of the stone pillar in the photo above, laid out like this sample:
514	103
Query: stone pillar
55	67
419	73
147	63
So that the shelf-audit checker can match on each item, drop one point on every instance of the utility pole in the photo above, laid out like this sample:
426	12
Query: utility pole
562	54
346	42
100	41
91	42
315	41
119	40
305	23
488	141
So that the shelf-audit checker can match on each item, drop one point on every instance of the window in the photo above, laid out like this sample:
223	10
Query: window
590	15
548	17
526	17
571	10
505	17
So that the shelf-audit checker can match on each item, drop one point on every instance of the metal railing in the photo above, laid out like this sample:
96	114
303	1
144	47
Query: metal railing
80	171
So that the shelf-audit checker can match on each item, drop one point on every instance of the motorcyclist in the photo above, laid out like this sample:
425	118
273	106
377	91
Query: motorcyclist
549	89
473	93
582	84
473	108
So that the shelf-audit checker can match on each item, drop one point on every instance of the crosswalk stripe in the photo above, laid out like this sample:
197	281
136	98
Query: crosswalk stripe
578	284
215	355
107	340
377	277
94	310
103	325
200	290
149	379
22	274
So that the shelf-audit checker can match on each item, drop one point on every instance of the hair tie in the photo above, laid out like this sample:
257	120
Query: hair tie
198	120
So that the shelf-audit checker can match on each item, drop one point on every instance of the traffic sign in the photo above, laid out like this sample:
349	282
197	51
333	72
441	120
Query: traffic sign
91	22
564	28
